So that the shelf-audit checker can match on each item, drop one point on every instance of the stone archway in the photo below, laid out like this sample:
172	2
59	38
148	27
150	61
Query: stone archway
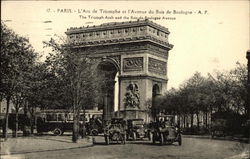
109	92
155	91
138	50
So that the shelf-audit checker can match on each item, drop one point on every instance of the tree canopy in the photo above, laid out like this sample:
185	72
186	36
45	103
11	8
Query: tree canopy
18	60
224	91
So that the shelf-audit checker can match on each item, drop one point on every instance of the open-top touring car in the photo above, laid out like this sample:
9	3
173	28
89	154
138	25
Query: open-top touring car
165	131
115	131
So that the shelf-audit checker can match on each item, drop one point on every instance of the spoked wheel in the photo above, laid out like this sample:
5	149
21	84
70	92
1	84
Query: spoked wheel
94	132
161	139
116	136
57	131
107	140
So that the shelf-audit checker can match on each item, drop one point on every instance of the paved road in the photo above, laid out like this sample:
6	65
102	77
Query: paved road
192	148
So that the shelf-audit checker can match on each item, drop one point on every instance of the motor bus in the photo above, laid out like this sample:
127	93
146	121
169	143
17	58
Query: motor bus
60	121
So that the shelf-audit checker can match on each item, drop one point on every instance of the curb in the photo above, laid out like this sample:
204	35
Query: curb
227	138
196	136
45	150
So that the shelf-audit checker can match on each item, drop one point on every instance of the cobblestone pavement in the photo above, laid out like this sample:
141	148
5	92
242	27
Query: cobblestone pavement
192	148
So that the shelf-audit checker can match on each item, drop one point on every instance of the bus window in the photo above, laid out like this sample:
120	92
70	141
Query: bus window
70	117
51	117
61	117
81	117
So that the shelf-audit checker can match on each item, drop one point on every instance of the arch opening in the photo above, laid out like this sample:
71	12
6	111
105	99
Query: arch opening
108	100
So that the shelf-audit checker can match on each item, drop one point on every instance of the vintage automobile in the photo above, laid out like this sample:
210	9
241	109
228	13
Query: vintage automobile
227	123
57	122
115	131
218	128
136	129
165	130
94	126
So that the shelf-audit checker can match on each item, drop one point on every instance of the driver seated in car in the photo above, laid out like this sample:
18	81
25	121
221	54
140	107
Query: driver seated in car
168	123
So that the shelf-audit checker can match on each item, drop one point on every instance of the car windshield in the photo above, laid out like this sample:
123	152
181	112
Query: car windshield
138	122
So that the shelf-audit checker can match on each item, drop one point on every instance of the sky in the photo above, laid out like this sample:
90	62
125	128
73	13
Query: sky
207	36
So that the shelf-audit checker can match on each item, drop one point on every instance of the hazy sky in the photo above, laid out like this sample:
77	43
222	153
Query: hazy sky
213	40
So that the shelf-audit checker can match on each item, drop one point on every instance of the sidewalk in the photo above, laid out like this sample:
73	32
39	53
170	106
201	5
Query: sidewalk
23	145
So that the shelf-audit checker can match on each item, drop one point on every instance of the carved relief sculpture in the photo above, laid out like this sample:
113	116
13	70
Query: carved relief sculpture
157	66
133	64
132	97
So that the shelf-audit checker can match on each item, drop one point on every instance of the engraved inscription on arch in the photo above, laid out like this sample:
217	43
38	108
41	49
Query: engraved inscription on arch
157	66
133	64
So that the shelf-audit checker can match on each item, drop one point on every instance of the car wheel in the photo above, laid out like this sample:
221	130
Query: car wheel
107	140
57	131
62	133
161	139
94	132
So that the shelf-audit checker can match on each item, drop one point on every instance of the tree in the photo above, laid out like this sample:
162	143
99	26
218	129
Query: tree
224	92
238	76
35	90
195	95
231	90
79	74
17	57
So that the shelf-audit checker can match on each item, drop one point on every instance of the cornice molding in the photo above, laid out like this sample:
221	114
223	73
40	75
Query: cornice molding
116	25
123	41
132	77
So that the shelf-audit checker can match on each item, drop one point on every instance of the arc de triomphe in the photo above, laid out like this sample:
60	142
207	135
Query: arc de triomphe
136	54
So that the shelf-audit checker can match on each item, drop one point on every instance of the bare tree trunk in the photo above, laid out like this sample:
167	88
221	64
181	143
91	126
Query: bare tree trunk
75	83
206	120
184	120
83	124
198	120
76	119
179	120
5	130
16	123
25	110
192	120
75	130
33	119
